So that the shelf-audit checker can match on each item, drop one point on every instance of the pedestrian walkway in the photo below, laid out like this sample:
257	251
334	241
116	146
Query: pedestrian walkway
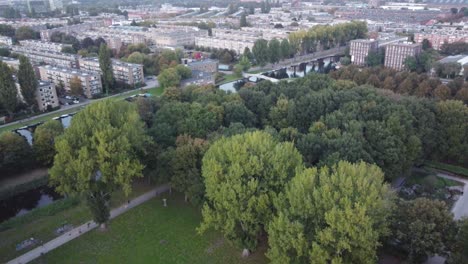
90	225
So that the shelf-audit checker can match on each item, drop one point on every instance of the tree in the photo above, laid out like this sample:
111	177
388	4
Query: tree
454	10
247	53
8	92
183	71
285	49
69	50
44	141
98	154
411	63
452	121
244	62
186	167
243	20
426	44
15	153
423	228
242	176
76	87
7	30
169	78
459	253
27	81
261	52
331	215
25	32
374	59
274	50
238	70
105	63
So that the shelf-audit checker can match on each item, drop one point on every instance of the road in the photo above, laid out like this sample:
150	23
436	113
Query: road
88	226
27	121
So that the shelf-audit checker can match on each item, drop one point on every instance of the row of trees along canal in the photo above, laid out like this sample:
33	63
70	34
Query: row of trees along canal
268	157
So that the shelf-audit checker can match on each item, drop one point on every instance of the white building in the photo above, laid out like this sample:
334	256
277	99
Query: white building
6	40
46	95
129	73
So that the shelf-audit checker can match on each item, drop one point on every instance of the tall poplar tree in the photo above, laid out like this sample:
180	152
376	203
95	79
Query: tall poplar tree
8	92
105	63
27	81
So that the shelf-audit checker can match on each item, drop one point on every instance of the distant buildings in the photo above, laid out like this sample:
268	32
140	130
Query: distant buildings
6	40
438	37
396	54
90	81
43	45
460	59
41	57
13	63
360	48
129	73
210	66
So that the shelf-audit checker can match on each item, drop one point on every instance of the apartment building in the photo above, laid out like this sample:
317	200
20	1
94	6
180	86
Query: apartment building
208	65
43	45
236	40
40	57
6	40
90	81
46	95
359	50
395	54
439	37
176	38
128	73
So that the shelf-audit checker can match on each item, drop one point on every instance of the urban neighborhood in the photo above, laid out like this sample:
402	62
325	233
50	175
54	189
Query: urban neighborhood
234	131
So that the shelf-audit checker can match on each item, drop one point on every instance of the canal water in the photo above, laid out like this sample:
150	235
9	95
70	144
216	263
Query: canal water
22	203
27	132
286	73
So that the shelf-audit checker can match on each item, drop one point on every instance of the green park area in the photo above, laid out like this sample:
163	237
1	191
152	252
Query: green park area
42	223
152	233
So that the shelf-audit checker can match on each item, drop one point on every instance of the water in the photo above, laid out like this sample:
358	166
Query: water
22	203
26	133
66	120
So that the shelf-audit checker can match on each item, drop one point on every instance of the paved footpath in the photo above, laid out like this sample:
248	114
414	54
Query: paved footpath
88	226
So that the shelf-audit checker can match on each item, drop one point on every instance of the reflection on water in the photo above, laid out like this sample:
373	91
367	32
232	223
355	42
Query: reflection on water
22	203
26	134
66	120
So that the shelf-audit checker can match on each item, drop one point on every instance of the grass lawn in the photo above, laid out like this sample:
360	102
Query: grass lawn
156	91
461	171
229	78
44	227
427	177
151	233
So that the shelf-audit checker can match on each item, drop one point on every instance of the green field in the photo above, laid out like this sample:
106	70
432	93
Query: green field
155	91
36	224
461	171
151	233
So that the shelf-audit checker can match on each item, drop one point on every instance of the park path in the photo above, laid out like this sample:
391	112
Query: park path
88	226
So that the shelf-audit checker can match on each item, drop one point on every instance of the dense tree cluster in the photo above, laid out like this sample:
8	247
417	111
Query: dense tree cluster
406	83
325	37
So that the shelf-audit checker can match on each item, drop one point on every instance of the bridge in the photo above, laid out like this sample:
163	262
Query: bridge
307	58
259	76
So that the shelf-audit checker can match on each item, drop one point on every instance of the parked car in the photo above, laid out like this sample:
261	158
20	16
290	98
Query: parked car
76	101
68	97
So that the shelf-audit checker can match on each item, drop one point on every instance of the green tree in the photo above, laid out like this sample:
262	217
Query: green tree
238	70
285	49
44	141
105	63
15	153
459	253
374	59
423	228
183	71
8	92
242	176
186	168
26	32
274	50
426	44
98	154
169	78
27	81
452	122
243	20
76	87
7	30
411	63
244	62
331	215
261	52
